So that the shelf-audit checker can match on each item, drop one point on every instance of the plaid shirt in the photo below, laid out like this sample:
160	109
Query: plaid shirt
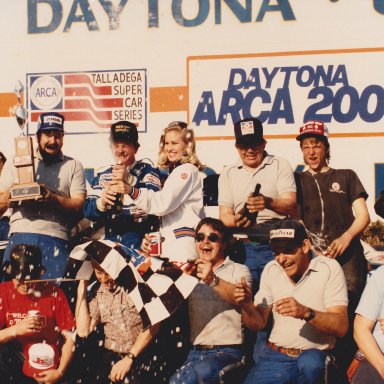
116	311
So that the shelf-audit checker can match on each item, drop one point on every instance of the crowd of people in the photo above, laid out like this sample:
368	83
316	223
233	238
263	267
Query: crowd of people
281	291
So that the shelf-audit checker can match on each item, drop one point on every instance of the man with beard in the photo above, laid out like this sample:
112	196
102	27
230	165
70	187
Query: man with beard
46	222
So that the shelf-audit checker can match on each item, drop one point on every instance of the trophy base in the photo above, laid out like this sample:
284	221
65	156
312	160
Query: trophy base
30	191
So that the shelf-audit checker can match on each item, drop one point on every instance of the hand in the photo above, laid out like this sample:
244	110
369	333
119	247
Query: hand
119	172
258	203
243	293
204	271
241	221
120	369
339	245
4	199
290	307
28	326
50	377
146	244
107	198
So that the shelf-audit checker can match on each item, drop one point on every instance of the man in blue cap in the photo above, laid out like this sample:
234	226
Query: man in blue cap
47	221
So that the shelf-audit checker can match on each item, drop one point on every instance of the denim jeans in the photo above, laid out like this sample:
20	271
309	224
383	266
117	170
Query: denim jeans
204	366
55	251
257	256
277	368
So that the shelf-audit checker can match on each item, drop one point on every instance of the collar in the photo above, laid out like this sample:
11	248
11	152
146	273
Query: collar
224	264
267	160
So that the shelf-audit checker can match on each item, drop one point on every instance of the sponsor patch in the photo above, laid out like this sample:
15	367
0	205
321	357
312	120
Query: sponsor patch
282	233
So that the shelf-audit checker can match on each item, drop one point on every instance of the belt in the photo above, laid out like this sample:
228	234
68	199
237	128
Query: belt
291	352
210	347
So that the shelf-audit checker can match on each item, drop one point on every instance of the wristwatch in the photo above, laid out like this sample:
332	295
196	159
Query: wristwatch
215	281
310	316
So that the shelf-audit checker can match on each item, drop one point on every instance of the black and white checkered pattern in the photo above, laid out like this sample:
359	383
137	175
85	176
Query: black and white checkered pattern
157	291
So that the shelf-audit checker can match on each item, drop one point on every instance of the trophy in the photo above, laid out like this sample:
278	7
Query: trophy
25	187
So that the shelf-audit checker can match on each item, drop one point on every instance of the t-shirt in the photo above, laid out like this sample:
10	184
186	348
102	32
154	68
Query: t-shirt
49	299
236	182
326	201
371	304
64	177
213	320
322	286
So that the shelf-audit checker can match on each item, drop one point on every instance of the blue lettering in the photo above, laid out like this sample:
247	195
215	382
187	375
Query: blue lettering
56	12
153	13
199	19
312	113
282	107
86	16
242	13
205	110
300	77
112	12
239	75
287	77
269	76
282	6
253	79
379	6
339	100
248	102
377	114
228	108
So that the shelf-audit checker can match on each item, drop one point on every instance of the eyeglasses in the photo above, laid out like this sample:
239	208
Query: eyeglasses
254	147
212	237
284	250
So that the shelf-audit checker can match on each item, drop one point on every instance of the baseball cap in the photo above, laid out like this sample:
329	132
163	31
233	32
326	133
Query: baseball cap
248	131
289	231
25	262
39	357
313	128
124	131
49	121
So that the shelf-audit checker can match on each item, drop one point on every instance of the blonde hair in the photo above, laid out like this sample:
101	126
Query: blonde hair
188	137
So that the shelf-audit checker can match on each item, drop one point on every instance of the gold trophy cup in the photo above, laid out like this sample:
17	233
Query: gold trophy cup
25	187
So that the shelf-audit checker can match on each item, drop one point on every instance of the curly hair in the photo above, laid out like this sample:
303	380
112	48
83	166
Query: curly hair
188	137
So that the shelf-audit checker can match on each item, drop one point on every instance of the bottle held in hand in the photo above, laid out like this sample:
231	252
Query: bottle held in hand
251	216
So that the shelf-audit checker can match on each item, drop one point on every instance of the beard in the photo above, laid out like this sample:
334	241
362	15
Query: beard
47	157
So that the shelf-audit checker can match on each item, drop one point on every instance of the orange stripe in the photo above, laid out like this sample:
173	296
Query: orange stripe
168	99
7	100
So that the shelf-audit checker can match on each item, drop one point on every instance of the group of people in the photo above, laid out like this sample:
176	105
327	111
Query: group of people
299	285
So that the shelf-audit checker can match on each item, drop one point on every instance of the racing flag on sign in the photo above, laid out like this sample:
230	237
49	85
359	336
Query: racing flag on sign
156	287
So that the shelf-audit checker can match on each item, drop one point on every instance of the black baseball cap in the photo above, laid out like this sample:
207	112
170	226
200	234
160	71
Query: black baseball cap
248	132
289	231
25	262
124	131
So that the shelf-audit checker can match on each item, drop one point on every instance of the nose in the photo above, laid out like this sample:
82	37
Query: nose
280	258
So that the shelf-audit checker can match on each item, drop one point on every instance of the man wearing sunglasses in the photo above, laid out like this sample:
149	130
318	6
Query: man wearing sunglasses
214	316
307	297
47	222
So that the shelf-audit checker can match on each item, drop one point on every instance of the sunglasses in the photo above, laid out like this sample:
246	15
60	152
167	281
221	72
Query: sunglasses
284	250
212	237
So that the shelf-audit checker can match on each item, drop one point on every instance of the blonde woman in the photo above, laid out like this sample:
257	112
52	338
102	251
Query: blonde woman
180	202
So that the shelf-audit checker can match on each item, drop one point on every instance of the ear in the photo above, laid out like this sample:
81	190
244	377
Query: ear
306	245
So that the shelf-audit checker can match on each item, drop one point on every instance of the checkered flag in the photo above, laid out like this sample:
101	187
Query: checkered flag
156	287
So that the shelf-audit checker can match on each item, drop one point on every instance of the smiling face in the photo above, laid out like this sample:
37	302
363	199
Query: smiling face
22	287
124	153
315	154
50	142
211	246
251	156
294	259
174	145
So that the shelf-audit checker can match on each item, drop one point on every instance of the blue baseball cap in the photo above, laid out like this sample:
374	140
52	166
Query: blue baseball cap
50	120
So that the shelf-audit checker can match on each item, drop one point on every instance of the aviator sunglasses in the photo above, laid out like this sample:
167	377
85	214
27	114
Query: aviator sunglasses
212	237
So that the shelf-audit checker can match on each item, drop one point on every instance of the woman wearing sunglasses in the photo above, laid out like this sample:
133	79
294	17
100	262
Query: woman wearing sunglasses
180	202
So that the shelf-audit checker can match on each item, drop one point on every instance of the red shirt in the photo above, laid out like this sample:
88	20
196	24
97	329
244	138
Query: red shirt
55	314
